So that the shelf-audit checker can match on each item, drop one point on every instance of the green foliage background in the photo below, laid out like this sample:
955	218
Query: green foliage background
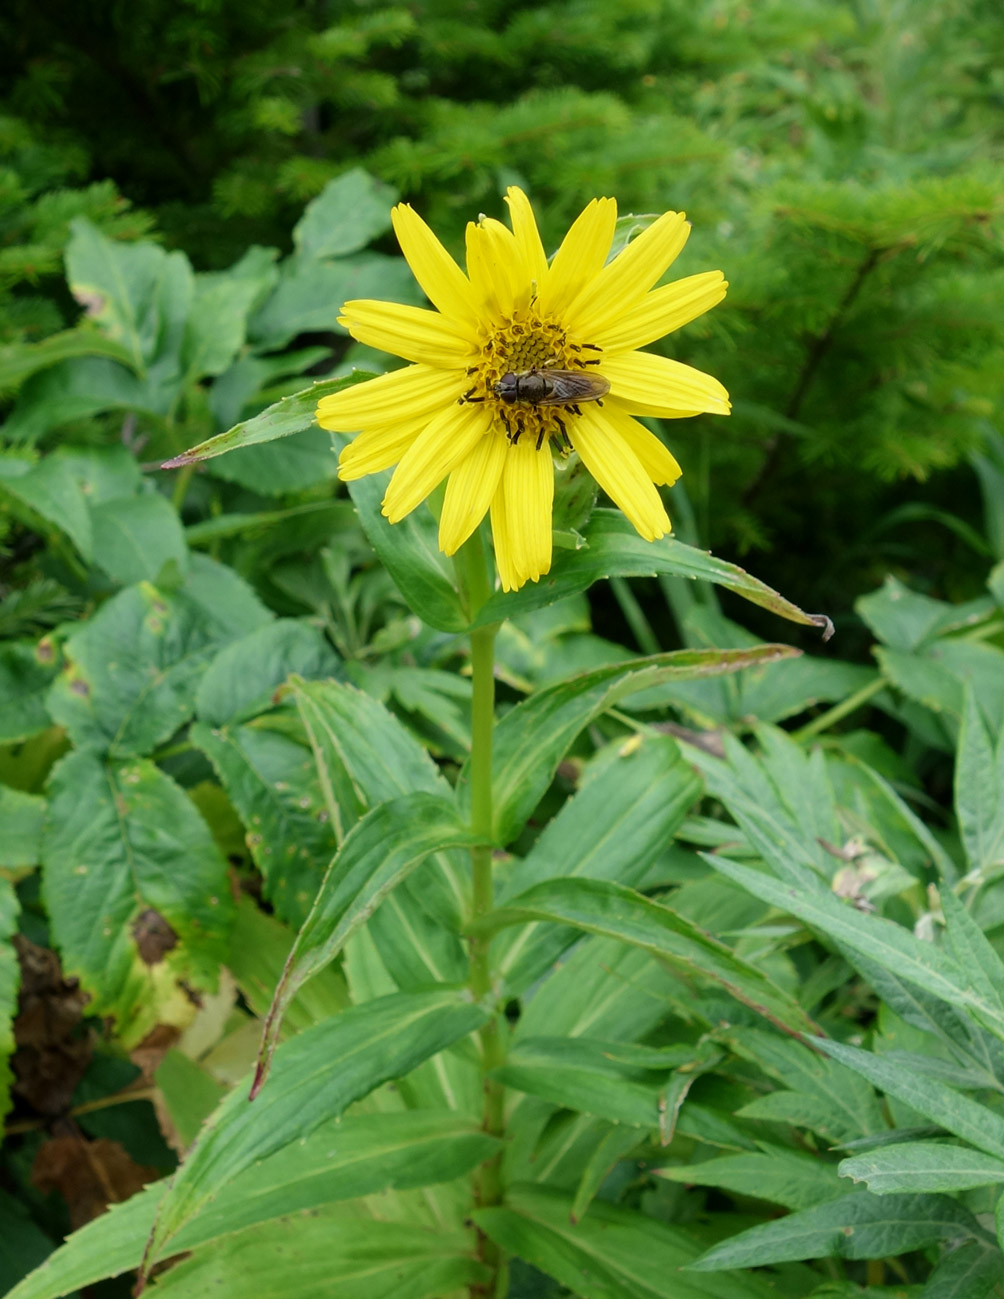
187	194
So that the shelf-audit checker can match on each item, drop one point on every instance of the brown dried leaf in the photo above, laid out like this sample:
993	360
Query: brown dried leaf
89	1175
52	1050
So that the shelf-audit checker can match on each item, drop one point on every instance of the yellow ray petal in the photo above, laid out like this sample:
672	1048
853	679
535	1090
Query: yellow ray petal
378	448
652	385
581	255
529	494
524	227
415	390
618	471
444	283
508	575
662	311
411	332
654	458
470	490
441	445
491	258
625	281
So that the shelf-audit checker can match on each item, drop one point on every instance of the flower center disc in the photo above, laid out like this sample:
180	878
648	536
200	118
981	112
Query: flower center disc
516	347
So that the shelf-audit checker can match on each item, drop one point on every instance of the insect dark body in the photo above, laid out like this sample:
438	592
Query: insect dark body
549	387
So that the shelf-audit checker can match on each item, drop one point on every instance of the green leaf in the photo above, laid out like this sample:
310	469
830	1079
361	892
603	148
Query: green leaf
613	1254
51	490
76	390
768	693
104	473
979	792
878	940
365	756
918	1166
581	1074
631	799
131	672
289	415
788	1177
965	1118
355	1155
309	296
23	1245
18	361
10	978
186	1096
26	672
135	536
331	1252
372	1044
603	907
136	890
977	957
614	549
300	461
781	800
243	678
410	552
259	948
351	211
905	620
973	1270
217	324
378	852
609	1151
125	288
532	738
21	816
860	1225
270	779
818	1093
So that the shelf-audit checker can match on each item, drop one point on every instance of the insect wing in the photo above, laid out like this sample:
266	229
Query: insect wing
570	386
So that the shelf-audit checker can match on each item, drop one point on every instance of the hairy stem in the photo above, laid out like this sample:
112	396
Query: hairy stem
488	1181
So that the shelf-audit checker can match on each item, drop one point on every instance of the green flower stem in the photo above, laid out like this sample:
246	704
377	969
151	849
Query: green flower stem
477	588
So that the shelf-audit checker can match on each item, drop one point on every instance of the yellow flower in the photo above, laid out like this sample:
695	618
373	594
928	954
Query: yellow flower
450	414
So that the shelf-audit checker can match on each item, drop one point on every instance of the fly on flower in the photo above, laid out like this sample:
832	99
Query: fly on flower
520	359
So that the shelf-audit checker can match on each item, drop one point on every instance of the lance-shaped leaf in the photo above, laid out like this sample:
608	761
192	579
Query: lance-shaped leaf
860	1225
971	1270
379	851
878	940
578	1073
968	1119
314	1077
790	1177
365	756
614	549
613	1253
603	907
631	799
917	1166
532	738
979	792
286	416
331	1252
359	1154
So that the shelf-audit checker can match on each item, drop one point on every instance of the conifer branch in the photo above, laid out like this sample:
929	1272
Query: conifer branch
813	359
